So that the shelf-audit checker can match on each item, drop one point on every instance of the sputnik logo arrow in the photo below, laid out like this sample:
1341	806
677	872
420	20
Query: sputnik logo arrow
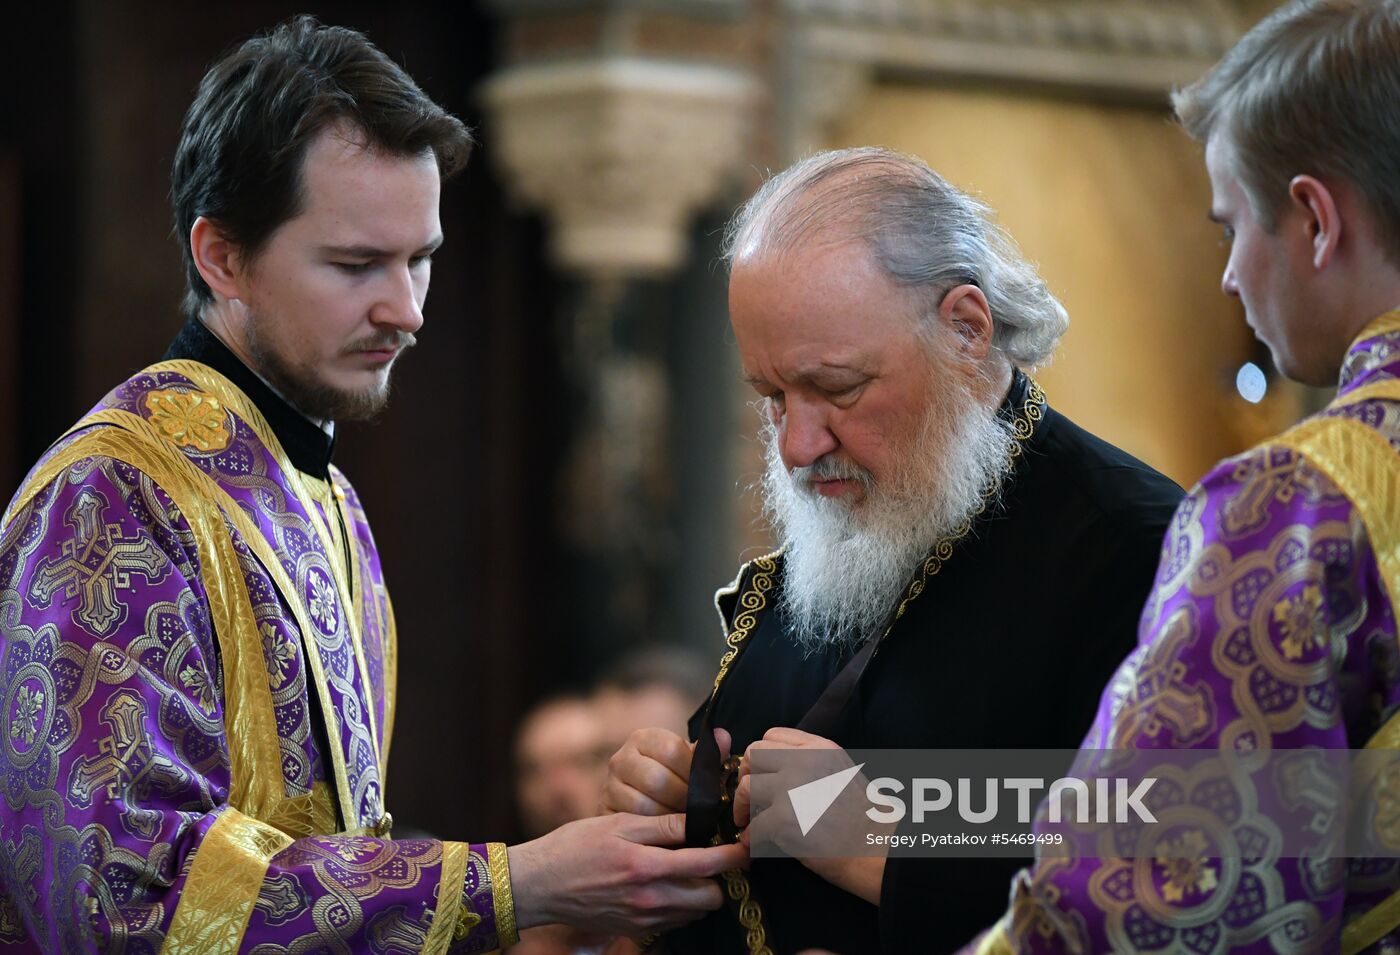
810	801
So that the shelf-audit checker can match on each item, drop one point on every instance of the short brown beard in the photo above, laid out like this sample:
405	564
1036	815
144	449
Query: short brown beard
301	385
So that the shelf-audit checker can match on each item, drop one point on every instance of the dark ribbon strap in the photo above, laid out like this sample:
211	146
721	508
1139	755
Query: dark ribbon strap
706	814
821	718
709	807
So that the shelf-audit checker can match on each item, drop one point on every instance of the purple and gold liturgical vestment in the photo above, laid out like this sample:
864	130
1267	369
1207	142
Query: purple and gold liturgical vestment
1271	628
197	660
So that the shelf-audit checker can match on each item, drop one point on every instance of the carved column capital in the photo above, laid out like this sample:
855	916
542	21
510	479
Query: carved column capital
618	152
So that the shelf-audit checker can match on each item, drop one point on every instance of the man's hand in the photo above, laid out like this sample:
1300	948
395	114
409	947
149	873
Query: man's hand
777	739
650	774
859	875
609	874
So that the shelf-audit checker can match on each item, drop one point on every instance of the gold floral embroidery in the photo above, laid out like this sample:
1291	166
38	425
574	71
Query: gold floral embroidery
30	704
197	683
1302	621
1183	863
191	419
350	848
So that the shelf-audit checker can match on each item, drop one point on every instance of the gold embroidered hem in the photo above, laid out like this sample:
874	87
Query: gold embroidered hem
447	916
502	900
225	879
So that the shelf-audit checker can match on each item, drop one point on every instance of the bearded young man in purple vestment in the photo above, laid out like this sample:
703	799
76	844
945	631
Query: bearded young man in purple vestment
197	649
1272	625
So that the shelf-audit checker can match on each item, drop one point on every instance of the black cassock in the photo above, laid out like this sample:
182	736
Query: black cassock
1007	647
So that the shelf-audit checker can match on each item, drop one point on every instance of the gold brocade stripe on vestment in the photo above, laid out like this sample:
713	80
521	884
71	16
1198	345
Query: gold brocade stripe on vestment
391	682
225	879
502	896
995	940
449	900
1366	469
272	802
754	598
240	404
255	777
1387	390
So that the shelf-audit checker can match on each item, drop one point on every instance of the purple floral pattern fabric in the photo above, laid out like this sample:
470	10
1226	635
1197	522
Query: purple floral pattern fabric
114	750
1270	627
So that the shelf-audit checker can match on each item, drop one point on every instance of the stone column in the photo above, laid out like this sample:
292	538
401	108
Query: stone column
619	122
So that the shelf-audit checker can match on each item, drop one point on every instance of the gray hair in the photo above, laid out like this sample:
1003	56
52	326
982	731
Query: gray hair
923	232
1310	89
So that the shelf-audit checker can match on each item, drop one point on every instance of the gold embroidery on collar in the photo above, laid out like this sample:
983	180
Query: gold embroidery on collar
1380	325
192	419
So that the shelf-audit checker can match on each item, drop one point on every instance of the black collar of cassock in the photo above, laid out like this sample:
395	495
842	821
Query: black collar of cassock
308	447
1015	395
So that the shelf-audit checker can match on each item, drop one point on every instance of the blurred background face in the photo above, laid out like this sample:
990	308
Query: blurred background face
337	293
656	705
561	764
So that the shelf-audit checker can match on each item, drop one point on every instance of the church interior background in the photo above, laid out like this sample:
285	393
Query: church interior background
562	475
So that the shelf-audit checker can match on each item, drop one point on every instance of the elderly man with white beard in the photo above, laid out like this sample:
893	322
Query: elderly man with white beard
929	503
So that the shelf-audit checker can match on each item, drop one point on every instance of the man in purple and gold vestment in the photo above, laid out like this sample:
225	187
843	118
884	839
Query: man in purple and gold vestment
197	649
1271	628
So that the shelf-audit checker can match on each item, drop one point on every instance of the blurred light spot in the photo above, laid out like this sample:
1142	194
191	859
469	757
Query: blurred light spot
1251	383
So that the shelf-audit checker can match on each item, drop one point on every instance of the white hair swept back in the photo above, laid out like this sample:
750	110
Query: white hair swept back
925	233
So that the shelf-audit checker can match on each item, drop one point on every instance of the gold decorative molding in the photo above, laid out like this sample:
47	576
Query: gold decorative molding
1123	50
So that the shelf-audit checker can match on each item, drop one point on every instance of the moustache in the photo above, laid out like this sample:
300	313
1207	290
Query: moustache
397	341
828	468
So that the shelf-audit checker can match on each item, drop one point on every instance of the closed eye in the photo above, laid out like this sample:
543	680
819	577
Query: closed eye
844	393
353	268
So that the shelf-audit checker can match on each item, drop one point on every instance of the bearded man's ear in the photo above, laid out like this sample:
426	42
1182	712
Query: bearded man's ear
964	309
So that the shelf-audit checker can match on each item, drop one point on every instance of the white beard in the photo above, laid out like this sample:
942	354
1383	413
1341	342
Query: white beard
846	565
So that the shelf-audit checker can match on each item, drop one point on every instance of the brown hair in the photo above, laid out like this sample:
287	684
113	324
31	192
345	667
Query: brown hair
242	144
1311	89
